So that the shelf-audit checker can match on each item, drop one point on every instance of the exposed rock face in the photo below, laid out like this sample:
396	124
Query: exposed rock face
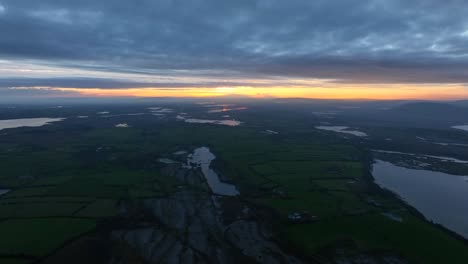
188	229
249	237
367	259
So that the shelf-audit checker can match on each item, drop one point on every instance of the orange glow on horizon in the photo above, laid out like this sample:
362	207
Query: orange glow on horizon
377	92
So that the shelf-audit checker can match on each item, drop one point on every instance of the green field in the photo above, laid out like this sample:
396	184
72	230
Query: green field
336	189
39	236
68	180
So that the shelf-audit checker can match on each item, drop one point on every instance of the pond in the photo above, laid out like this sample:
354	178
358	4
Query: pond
342	129
167	161
440	197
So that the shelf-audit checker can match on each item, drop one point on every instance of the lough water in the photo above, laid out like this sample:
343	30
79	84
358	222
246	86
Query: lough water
227	122
442	198
27	122
463	127
342	129
203	157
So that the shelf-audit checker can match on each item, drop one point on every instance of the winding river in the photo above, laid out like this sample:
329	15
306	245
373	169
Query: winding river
203	157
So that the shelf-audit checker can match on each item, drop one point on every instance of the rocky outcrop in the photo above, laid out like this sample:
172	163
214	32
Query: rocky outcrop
187	228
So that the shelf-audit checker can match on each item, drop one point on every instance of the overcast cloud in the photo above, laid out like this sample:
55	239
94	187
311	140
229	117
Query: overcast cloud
213	42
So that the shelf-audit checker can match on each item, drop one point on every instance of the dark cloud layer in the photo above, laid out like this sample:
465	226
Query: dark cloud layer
374	41
118	84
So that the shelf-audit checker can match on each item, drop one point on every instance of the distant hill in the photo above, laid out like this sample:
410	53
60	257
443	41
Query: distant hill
426	108
430	112
438	115
461	103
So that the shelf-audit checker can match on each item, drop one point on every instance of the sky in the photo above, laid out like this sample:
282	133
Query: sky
337	49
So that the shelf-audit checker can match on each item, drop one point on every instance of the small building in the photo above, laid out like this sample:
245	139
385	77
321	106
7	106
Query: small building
301	217
279	193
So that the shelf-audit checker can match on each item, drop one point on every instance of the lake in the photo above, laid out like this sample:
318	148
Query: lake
27	122
342	129
203	157
463	127
122	125
440	197
441	158
226	109
227	122
167	161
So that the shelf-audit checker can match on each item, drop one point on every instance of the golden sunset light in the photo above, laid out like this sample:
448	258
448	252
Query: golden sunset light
376	92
